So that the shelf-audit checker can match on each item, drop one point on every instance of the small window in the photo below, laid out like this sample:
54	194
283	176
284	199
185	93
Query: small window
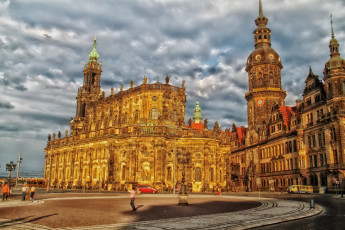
317	98
330	93
314	141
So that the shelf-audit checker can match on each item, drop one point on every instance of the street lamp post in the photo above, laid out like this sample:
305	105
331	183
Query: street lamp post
183	159
19	161
10	167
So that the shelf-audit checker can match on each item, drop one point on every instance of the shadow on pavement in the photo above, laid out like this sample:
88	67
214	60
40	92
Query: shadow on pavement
172	211
3	223
41	217
22	220
139	206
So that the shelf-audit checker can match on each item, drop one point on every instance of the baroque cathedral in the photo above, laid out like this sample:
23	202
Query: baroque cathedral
138	135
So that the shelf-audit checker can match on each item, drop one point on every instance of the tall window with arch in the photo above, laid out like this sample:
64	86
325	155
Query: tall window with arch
123	174
330	90
173	115
197	174
136	116
211	174
169	173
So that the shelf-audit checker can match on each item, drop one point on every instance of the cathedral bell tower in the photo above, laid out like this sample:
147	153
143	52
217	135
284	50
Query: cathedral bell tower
264	76
334	76
91	89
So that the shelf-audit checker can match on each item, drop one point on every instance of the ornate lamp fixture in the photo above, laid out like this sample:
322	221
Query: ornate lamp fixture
10	167
183	158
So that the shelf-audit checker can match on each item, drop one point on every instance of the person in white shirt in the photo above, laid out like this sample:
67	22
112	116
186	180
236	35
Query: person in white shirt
133	193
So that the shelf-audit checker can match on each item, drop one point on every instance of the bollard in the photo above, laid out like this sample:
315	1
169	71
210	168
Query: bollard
312	204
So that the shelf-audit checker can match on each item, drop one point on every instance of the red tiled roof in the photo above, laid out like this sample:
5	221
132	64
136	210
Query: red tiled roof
287	112
198	126
241	131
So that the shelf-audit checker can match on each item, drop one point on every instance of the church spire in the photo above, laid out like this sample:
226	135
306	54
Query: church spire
332	27
333	44
197	113
260	9
261	20
262	34
93	56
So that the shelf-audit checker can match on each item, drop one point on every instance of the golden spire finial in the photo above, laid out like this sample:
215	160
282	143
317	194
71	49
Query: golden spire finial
332	26
95	37
260	8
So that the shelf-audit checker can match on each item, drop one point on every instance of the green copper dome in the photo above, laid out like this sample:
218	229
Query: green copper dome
94	55
197	113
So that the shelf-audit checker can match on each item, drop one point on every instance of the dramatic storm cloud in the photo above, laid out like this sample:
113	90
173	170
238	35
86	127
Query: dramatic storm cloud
44	45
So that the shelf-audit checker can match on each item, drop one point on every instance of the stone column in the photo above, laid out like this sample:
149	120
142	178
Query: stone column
318	179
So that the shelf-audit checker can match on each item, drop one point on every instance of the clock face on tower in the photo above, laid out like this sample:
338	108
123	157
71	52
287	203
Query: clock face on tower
259	101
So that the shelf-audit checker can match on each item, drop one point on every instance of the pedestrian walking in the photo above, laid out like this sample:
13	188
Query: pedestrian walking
219	191
24	190
133	193
32	193
5	191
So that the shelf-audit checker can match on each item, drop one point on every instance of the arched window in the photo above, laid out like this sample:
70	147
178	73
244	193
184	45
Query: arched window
211	174
75	173
124	172
115	119
330	93
84	173
83	110
124	119
169	173
173	115
197	174
94	173
136	115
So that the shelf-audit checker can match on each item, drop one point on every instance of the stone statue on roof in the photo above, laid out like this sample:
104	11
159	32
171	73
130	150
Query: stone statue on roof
206	123
190	122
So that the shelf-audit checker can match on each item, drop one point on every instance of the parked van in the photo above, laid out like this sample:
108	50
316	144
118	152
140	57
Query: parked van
300	189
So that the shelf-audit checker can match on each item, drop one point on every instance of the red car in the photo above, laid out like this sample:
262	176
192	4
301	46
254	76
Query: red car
146	189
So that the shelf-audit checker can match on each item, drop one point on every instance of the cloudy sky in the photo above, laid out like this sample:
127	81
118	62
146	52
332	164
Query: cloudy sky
44	45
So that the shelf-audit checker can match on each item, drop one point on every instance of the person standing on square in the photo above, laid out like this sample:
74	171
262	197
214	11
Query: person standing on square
5	191
32	193
24	189
133	193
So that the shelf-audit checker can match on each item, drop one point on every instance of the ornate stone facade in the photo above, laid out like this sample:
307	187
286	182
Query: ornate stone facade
285	145
133	136
136	135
